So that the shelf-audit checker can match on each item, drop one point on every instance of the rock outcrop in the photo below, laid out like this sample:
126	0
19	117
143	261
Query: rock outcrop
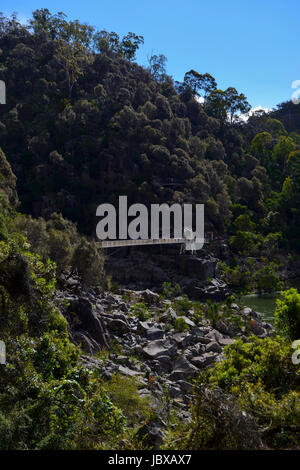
152	347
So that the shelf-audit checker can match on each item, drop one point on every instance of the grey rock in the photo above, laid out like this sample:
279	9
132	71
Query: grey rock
185	417
258	329
126	371
138	349
71	282
198	332
151	297
220	357
267	326
160	348
211	334
182	369
111	299
182	374
222	327
182	362
203	340
117	326
120	359
185	386
213	347
120	316
204	329
247	311
87	320
226	341
235	307
182	339
188	322
144	393
124	307
143	327
189	353
217	290
169	316
204	360
165	363
196	350
155	333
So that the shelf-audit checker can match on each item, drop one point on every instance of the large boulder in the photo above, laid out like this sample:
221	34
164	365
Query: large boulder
160	347
182	369
143	327
182	339
155	333
204	360
128	372
149	331
150	297
120	327
213	346
82	317
169	316
217	290
164	363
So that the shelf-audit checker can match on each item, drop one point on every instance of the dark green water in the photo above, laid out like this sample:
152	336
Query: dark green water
264	304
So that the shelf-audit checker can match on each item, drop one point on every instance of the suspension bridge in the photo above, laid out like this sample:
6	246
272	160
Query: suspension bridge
156	241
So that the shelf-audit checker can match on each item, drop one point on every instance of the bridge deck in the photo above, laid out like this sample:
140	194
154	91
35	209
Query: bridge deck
160	241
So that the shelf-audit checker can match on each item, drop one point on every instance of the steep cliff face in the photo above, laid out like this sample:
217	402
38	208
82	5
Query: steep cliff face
196	274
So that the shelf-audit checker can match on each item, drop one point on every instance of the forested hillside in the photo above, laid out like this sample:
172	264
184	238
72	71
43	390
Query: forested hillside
84	123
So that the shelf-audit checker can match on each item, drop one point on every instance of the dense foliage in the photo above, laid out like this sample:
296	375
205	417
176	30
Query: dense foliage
249	401
47	400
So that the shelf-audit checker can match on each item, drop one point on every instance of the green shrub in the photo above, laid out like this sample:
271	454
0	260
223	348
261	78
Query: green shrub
125	395
47	400
287	314
170	291
88	261
141	311
182	305
266	280
244	243
59	240
180	325
264	384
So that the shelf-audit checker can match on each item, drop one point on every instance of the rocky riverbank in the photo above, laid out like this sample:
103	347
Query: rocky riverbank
155	340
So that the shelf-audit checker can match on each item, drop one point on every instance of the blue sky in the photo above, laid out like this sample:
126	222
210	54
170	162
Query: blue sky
249	44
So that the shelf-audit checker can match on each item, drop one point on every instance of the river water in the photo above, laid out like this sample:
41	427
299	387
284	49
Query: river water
264	304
